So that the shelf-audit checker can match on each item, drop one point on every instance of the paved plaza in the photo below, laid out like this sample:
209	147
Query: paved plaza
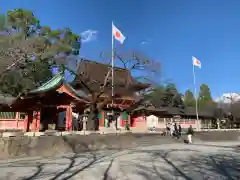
163	162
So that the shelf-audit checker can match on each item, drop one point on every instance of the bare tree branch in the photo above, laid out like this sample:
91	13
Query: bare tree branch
106	81
130	61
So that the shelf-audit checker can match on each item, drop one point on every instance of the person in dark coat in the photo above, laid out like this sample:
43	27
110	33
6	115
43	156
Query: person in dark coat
190	133
175	130
179	130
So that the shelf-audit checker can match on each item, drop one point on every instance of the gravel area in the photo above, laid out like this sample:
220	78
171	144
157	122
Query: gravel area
217	161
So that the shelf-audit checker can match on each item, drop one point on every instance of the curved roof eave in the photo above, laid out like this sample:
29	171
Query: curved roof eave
55	83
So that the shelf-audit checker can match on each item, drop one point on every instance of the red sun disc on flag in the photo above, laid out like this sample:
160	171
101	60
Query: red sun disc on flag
118	34
198	62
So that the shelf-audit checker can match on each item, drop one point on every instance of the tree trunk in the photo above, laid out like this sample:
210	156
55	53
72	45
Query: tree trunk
93	121
90	122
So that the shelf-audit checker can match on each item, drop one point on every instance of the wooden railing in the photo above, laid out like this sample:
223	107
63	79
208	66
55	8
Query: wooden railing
8	122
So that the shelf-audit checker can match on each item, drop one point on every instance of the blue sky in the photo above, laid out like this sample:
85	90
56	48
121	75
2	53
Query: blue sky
174	30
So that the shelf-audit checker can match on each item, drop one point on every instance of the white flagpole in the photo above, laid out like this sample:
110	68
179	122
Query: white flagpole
195	92
112	68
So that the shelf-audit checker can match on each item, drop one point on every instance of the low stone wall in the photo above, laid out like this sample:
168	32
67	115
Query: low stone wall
51	145
27	146
218	136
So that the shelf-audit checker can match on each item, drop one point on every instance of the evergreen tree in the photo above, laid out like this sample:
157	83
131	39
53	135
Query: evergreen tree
205	98
189	99
28	51
172	98
156	96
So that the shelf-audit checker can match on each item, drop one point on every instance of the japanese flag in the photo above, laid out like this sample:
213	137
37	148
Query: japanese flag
196	62
117	34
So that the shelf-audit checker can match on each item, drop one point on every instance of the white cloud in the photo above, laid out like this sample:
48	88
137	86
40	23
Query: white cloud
144	42
88	35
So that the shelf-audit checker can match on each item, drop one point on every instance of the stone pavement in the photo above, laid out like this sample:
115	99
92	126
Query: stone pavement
217	161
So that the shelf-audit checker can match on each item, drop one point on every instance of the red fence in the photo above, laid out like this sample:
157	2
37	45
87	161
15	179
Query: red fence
11	124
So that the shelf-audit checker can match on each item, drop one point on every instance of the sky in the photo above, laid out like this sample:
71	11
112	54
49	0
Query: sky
167	31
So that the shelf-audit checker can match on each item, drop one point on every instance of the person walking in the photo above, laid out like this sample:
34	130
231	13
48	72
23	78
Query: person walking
167	129
172	130
179	130
190	133
175	130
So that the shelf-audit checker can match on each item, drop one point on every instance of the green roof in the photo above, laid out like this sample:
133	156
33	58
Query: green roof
51	84
54	83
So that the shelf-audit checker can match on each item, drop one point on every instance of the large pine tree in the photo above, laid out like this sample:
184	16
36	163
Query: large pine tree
28	51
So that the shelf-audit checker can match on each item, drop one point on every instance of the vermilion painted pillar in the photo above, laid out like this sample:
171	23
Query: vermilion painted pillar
121	120
28	119
101	124
129	120
69	118
25	123
36	121
17	119
38	117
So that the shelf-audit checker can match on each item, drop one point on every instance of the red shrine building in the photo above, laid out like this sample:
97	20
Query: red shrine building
39	109
93	75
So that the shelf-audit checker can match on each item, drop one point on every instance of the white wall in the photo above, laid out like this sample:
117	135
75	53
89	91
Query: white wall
152	121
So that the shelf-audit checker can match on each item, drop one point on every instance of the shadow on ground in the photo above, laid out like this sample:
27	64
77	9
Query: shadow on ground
188	162
195	166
